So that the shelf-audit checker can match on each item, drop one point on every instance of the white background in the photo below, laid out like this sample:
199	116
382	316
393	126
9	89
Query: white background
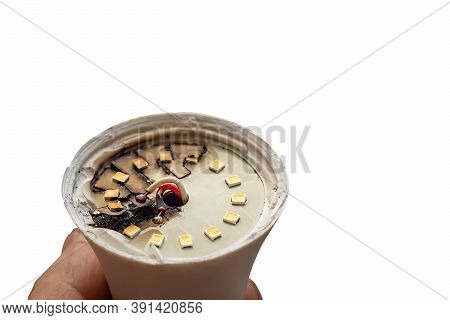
378	148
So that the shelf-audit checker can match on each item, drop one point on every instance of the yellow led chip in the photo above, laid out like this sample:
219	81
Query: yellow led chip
233	181
216	166
186	241
238	198
165	156
115	205
191	159
131	231
231	217
140	164
111	194
157	239
213	233
120	177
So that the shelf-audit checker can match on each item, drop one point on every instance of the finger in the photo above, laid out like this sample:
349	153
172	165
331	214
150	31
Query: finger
74	239
76	274
252	292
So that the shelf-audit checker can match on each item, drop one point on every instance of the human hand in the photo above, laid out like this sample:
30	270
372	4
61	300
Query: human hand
78	275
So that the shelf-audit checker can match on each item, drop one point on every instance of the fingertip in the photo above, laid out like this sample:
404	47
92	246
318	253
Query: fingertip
74	237
252	292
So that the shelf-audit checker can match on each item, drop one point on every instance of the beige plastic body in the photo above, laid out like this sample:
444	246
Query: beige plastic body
221	278
220	275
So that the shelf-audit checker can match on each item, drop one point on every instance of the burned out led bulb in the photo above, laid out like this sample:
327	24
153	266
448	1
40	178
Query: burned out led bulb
160	202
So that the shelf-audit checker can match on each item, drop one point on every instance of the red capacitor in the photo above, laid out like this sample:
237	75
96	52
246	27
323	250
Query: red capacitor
170	195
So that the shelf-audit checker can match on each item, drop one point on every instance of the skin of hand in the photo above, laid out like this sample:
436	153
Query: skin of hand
78	275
